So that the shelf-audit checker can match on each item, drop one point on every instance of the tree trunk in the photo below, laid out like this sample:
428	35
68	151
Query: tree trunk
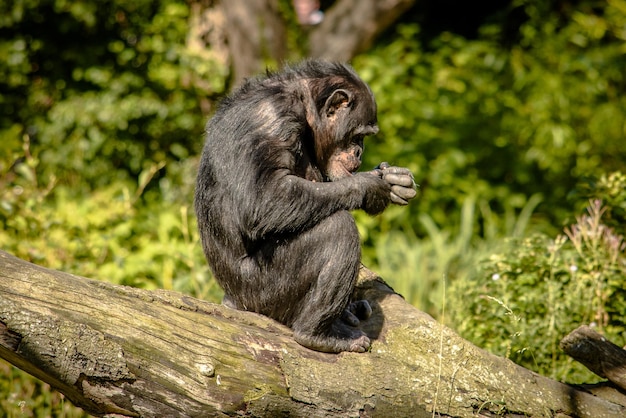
256	33
119	350
351	26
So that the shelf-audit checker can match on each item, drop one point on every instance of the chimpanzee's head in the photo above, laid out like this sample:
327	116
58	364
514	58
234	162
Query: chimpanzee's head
346	114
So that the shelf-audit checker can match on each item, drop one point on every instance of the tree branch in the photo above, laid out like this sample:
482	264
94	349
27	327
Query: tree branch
596	353
118	350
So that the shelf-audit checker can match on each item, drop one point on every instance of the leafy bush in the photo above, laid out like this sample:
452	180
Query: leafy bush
112	233
611	189
527	297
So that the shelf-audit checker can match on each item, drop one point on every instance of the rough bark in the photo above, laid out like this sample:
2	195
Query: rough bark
119	350
596	353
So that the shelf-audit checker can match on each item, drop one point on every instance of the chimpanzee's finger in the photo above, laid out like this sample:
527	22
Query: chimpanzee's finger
397	170
399	179
398	200
405	193
376	172
384	165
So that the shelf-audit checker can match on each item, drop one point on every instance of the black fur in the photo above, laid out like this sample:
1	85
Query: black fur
275	229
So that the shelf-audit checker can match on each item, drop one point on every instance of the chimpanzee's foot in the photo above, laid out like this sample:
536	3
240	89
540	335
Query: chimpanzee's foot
340	337
357	310
350	318
360	308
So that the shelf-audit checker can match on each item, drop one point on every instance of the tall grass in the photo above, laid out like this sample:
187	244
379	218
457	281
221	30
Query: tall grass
415	267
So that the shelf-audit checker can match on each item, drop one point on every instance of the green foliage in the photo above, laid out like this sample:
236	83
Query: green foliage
444	255
504	121
113	234
23	396
506	124
525	298
101	105
611	189
104	90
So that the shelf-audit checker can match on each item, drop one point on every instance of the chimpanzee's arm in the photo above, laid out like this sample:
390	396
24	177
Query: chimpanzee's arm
288	204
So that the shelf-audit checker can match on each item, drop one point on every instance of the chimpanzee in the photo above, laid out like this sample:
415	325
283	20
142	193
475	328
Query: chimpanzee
276	182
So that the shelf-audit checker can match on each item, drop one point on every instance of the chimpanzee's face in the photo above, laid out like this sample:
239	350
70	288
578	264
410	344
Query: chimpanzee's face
350	116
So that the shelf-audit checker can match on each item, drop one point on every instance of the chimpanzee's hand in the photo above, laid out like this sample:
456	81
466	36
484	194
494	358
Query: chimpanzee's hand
376	192
403	187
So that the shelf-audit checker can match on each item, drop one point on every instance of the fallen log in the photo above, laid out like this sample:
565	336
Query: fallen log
130	352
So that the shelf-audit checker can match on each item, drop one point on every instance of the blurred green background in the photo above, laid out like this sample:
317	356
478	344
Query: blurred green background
512	117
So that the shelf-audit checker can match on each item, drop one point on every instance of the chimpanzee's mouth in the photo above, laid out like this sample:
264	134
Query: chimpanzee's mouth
340	171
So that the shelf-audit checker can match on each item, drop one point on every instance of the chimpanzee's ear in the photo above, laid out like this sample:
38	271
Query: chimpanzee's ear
338	99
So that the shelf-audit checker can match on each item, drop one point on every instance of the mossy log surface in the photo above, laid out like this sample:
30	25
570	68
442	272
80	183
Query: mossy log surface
115	350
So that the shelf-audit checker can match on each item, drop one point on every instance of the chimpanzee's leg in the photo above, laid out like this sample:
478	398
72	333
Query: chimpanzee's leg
328	257
306	281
